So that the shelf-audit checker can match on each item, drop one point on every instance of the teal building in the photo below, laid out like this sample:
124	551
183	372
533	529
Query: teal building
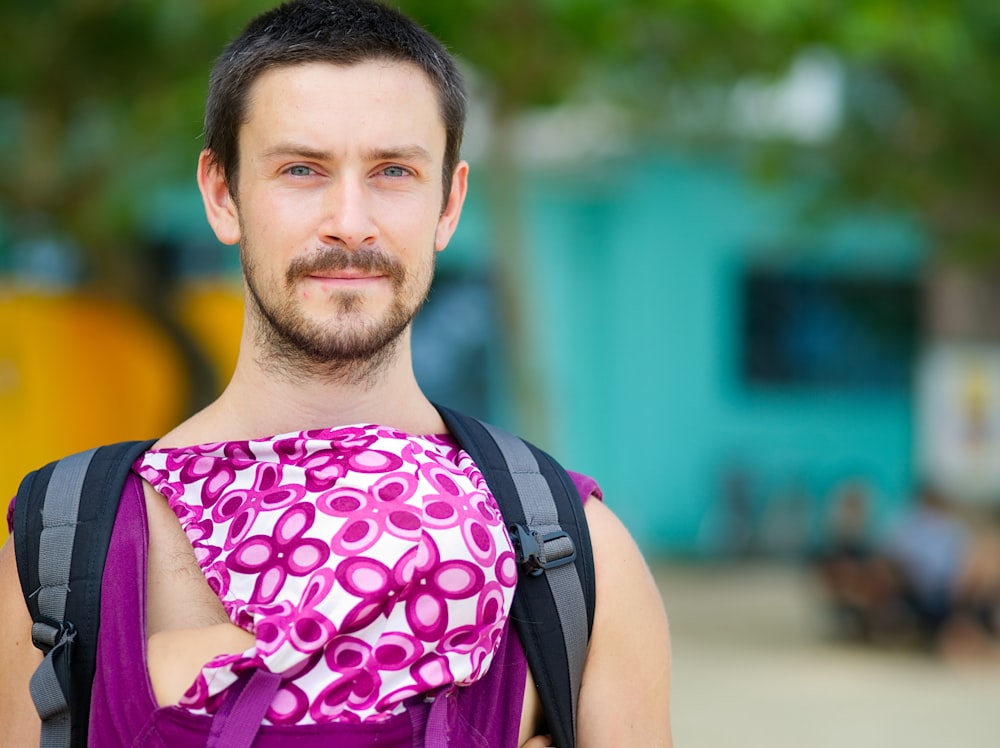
722	366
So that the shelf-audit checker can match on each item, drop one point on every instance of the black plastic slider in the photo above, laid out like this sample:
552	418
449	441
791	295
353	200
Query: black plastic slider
538	552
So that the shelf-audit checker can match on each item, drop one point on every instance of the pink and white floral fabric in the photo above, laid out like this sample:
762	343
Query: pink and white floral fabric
373	566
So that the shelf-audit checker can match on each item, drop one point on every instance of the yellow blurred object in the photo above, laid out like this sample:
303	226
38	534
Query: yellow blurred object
213	313
76	371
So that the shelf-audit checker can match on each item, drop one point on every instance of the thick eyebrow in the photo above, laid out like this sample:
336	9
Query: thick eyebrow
297	151
394	153
401	153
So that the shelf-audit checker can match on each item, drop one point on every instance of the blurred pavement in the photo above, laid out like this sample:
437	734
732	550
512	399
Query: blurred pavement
752	669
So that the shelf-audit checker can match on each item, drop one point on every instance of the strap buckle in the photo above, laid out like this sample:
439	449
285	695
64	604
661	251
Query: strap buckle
538	552
47	633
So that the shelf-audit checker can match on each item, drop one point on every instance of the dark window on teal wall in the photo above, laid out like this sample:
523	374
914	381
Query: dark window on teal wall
457	345
828	331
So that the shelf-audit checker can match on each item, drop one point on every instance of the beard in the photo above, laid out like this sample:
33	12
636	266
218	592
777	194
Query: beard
348	345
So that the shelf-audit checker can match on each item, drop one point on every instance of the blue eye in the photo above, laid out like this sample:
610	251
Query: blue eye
394	171
300	171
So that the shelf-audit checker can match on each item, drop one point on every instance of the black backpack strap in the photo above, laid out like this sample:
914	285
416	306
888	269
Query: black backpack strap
63	517
553	607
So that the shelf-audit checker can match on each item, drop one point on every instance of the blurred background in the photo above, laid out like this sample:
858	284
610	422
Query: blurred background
737	260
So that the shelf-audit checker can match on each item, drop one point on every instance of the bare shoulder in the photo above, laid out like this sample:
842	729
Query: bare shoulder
625	696
19	723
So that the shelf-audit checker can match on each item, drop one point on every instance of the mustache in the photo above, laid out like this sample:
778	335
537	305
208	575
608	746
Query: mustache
364	259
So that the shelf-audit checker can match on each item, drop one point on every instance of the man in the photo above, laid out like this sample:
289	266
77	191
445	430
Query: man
331	158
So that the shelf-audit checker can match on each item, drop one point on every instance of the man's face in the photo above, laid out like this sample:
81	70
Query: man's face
339	207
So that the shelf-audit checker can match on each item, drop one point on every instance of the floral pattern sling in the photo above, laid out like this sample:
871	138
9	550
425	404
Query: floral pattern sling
372	566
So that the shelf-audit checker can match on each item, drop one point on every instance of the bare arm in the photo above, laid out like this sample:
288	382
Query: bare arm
625	696
19	723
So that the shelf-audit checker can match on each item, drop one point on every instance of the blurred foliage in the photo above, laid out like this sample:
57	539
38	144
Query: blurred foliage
917	130
101	100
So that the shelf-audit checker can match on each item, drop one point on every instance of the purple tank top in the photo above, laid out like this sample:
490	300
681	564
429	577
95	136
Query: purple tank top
124	711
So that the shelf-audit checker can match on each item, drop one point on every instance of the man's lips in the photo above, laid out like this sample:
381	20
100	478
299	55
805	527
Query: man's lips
335	266
345	276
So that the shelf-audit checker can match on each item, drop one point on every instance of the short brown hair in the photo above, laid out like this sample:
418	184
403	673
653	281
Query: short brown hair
342	32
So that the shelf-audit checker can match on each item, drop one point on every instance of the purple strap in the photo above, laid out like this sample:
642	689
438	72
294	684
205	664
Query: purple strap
239	718
436	734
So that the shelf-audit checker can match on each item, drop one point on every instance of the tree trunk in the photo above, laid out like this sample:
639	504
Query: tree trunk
515	281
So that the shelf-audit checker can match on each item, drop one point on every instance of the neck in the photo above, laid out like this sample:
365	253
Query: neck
262	400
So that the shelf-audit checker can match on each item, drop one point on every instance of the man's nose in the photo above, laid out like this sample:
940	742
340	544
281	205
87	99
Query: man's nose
347	213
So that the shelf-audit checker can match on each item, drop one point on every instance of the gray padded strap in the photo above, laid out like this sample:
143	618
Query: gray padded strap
59	519
539	508
542	516
55	556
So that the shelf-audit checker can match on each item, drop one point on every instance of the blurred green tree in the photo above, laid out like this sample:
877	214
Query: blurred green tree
99	103
918	117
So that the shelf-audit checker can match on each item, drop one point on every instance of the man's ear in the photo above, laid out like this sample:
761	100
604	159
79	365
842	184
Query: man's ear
220	208
448	221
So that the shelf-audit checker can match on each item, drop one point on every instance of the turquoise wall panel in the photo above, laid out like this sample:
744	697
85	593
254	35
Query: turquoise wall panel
635	273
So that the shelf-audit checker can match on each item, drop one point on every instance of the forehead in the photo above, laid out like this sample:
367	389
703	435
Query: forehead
368	101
